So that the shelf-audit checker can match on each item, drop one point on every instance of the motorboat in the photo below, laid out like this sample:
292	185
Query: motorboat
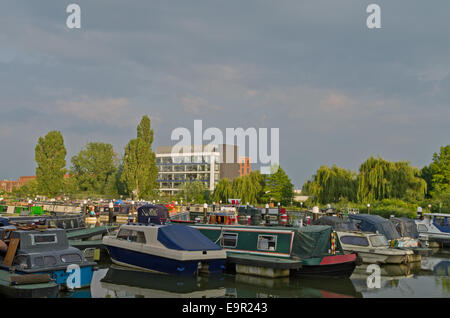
435	226
373	248
165	248
42	250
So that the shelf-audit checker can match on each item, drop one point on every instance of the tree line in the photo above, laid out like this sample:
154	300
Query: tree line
379	179
96	169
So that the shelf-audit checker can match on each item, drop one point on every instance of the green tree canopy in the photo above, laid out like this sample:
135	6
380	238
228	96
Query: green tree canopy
223	191
50	156
194	191
278	187
137	171
331	185
440	170
94	167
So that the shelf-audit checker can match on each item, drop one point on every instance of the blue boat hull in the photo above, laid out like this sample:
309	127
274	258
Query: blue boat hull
161	264
60	276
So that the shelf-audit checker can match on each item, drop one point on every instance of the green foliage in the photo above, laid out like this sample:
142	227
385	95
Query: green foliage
246	188
139	163
50	155
29	189
278	187
331	185
137	174
440	170
379	179
223	191
194	192
95	167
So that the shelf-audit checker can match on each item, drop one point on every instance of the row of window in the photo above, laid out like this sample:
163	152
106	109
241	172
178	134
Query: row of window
21	260
264	243
131	236
376	240
184	159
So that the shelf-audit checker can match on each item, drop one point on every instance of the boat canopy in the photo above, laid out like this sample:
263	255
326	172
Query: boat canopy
4	222
337	223
151	213
187	238
405	227
374	223
313	241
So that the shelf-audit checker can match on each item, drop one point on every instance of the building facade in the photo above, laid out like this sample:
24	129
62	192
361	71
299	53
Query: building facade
207	164
245	167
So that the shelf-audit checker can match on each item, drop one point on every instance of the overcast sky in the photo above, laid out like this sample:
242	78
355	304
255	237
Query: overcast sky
338	91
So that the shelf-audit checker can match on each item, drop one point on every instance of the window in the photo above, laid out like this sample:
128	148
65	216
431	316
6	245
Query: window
378	240
267	242
422	228
140	237
43	239
22	261
49	260
123	234
229	240
354	240
71	258
39	261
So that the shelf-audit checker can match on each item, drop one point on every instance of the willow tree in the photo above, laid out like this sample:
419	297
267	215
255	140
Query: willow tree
50	156
380	179
223	191
331	185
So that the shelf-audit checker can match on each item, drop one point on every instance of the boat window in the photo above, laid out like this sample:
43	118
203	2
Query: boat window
39	261
71	258
123	234
140	237
422	228
229	240
49	260
378	240
22	261
43	239
354	240
52	223
267	242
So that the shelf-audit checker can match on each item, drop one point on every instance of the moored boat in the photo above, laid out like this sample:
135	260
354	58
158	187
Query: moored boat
435	226
42	250
170	249
281	251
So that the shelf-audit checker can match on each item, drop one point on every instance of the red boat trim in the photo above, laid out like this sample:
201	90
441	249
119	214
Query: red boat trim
335	259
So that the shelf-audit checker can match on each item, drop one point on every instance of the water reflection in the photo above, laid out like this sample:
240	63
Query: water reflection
431	278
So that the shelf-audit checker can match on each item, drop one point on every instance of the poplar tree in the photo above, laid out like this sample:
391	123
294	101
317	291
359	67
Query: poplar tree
50	156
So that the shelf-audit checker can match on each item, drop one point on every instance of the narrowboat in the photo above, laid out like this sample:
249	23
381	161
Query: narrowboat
436	226
281	251
42	250
171	249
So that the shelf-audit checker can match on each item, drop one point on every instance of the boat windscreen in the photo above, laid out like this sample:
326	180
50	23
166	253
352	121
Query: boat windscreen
378	240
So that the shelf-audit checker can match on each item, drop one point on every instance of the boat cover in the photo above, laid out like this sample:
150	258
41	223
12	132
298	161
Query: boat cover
374	223
405	227
313	241
337	223
182	237
151	213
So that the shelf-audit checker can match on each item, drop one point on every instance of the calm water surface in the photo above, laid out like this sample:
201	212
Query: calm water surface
430	278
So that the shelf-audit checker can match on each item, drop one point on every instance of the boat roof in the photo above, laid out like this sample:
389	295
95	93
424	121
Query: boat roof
41	240
437	214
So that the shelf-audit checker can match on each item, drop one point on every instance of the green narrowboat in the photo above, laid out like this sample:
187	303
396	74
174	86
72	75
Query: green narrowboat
281	251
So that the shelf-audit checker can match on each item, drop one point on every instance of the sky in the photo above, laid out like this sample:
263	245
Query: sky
338	91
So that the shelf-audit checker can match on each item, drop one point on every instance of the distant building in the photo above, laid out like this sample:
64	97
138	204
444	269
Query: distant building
299	197
245	167
10	185
195	163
